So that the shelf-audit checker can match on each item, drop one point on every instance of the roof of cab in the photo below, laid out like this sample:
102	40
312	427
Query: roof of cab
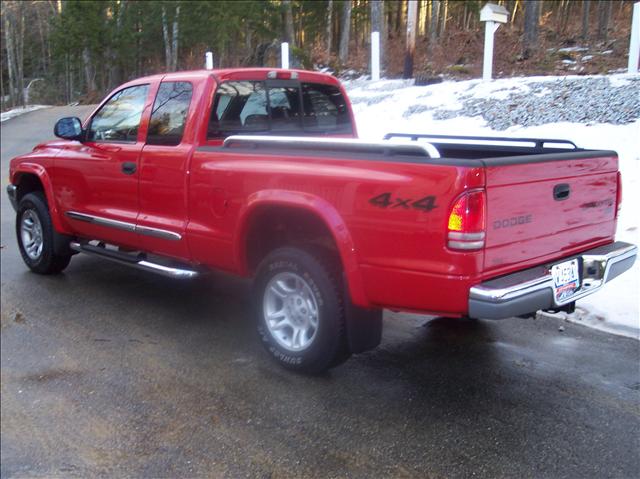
239	74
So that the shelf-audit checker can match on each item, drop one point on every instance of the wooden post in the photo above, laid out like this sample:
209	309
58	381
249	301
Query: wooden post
412	11
284	49
375	56
489	31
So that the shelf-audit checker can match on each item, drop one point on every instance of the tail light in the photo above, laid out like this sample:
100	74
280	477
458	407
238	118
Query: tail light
618	194
466	228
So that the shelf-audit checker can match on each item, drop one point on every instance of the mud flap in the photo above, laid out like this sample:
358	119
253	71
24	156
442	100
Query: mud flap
61	244
364	326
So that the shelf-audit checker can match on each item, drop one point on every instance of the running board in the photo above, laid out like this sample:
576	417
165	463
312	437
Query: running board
138	262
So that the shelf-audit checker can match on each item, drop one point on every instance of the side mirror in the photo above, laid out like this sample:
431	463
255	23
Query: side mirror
69	128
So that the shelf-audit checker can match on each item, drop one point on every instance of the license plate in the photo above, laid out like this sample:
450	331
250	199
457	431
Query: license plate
566	279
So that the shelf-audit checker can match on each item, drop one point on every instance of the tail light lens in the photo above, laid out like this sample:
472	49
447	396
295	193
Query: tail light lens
466	228
618	194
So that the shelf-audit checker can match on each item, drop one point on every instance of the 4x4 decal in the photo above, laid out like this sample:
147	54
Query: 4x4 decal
386	200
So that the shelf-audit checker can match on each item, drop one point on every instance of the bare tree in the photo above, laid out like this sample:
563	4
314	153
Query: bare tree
329	26
585	19
377	23
43	38
412	14
89	70
345	32
531	19
515	13
289	34
171	41
174	40
604	14
444	11
433	27
20	52
564	13
13	13
7	13
112	53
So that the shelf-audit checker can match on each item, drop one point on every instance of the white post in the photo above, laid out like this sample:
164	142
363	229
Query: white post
208	61
284	51
489	30
375	56
634	42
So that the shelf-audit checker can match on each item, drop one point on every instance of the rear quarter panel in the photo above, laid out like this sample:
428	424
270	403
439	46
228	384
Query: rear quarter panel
397	237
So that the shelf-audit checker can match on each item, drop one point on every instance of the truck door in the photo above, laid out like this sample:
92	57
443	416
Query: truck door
164	176
96	181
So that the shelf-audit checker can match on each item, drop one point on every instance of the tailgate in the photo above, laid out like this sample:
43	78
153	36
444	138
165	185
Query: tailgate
539	211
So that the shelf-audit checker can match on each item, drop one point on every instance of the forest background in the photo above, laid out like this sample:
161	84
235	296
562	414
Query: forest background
64	51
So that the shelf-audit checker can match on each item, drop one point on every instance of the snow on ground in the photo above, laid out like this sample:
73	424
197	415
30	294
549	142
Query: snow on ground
398	106
7	115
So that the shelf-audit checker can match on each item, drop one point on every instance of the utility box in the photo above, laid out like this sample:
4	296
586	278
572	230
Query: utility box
494	13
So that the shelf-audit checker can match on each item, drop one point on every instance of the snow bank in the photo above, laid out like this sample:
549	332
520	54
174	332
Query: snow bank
398	106
7	115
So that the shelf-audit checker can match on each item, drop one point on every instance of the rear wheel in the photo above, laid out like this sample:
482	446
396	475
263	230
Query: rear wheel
35	233
299	309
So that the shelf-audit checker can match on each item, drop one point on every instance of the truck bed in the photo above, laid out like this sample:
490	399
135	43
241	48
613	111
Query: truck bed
545	198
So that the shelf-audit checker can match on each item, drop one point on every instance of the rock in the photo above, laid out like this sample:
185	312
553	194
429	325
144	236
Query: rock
424	80
588	100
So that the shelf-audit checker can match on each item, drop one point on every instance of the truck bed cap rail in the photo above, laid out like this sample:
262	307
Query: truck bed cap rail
334	144
537	143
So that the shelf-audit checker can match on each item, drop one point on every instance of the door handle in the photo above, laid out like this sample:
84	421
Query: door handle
561	192
128	167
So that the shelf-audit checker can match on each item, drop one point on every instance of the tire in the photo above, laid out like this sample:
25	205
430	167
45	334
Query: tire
299	310
35	234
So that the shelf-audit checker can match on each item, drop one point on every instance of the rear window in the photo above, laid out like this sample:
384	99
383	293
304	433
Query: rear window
284	108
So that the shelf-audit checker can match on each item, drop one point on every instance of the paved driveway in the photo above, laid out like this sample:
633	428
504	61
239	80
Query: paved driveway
111	372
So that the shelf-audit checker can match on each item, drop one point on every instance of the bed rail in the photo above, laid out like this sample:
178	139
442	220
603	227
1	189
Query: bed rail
334	145
537	143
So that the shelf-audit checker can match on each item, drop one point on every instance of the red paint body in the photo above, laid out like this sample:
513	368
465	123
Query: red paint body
392	257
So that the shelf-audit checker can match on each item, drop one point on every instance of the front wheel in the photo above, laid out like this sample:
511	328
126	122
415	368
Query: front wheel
299	309
35	236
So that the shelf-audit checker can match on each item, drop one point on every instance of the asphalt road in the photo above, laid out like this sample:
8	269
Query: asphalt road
112	372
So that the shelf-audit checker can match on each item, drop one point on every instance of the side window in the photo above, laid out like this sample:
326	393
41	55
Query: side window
239	107
325	109
169	113
119	118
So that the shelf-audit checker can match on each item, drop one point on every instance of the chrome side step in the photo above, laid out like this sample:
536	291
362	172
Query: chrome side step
138	262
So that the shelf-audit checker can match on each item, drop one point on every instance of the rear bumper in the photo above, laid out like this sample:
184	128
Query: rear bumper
12	192
532	289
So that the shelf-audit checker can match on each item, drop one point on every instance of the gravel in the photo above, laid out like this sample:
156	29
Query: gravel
583	100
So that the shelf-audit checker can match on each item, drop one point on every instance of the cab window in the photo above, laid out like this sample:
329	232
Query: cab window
169	113
119	118
325	109
237	107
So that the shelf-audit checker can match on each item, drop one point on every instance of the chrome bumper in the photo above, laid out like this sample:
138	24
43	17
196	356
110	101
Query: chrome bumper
532	289
12	192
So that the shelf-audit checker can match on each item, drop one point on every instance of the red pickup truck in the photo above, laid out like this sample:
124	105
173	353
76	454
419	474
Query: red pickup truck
259	173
